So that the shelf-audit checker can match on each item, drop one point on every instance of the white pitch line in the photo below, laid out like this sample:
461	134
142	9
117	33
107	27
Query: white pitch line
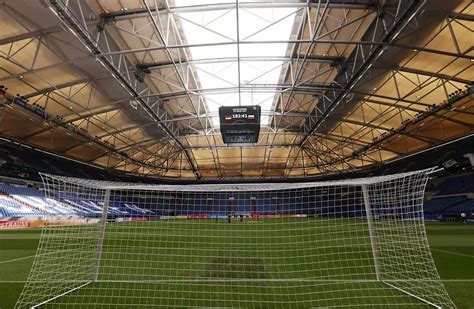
17	259
445	280
450	252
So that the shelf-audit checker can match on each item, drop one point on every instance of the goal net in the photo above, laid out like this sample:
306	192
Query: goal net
355	243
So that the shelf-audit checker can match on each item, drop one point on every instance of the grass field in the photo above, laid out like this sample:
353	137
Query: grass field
253	273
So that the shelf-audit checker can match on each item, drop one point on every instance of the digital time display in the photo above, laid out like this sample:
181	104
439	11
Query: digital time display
240	124
240	113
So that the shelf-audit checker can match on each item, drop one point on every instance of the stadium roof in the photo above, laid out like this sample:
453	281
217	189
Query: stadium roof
136	85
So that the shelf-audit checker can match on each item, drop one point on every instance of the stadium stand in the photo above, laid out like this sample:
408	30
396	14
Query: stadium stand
22	201
448	197
19	201
438	205
12	208
458	184
25	163
465	206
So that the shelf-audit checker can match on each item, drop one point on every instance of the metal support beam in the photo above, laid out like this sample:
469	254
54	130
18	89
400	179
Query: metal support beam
333	60
181	80
367	43
314	89
140	13
80	30
460	16
240	146
374	126
431	74
362	63
58	87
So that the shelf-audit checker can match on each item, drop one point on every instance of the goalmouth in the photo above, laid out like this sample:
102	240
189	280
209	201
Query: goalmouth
353	243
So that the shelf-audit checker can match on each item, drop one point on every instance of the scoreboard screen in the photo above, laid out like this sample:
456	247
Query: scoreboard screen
240	124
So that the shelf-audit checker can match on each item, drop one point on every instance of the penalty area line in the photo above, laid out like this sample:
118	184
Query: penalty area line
32	256
451	252
17	259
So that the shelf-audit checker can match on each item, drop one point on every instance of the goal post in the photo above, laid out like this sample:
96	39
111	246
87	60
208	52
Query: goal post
66	254
100	239
402	256
359	243
372	232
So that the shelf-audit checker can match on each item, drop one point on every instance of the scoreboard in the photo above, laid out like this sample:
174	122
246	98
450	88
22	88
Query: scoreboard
240	124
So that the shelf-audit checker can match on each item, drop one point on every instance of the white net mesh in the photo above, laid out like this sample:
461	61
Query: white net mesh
355	243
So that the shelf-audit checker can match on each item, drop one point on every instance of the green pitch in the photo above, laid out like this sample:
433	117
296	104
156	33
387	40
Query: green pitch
251	275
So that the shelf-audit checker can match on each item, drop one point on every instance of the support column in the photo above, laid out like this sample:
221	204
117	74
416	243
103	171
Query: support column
372	233
100	240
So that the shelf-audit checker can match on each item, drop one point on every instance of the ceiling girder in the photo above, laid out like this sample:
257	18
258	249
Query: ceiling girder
58	87
154	21
141	13
403	107
263	113
461	16
402	131
432	74
386	28
231	146
343	139
333	60
366	44
80	29
142	144
374	126
310	89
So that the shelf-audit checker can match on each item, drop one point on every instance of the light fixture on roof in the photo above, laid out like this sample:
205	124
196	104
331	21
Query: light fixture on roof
141	71
415	50
418	96
21	76
375	89
134	104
